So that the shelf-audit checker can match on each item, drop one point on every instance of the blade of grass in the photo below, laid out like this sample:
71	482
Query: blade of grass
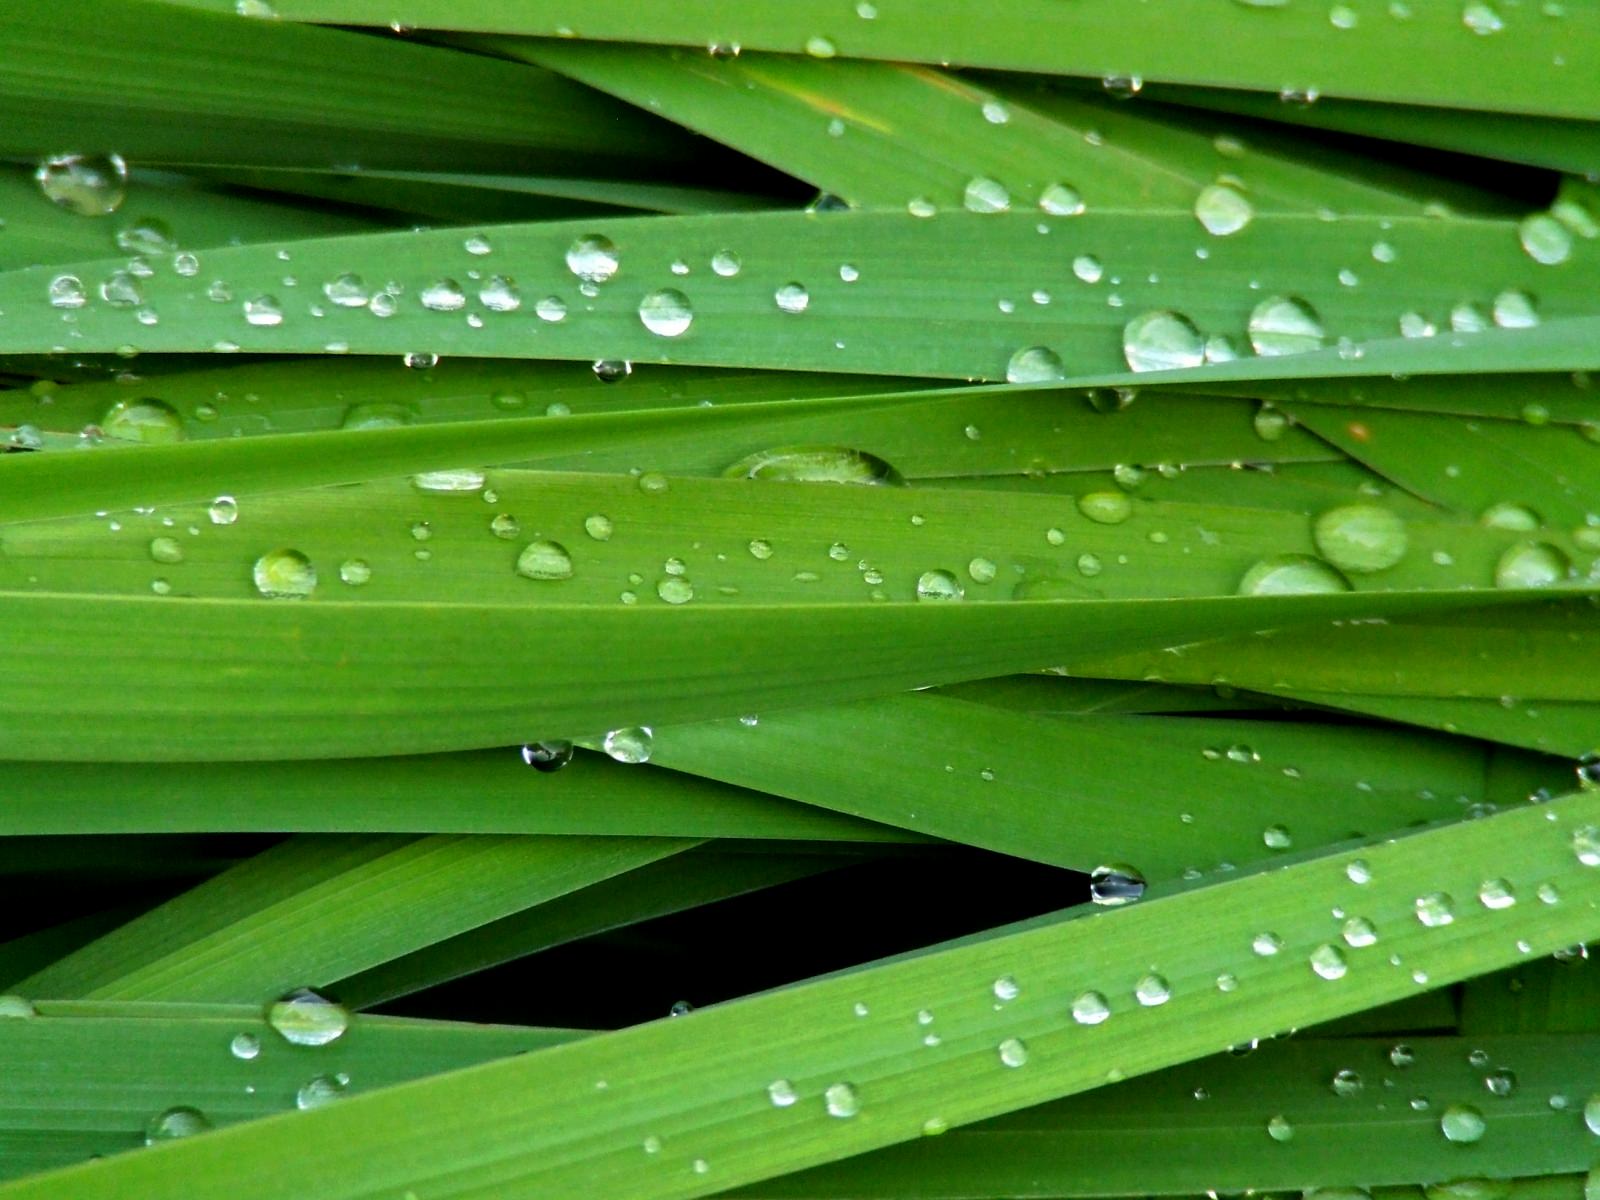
924	298
260	930
675	884
1555	727
1557	995
676	1080
1535	65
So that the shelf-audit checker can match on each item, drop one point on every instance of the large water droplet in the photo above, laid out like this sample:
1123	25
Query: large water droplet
547	756
544	560
814	464
1279	1129
630	744
1222	210
244	1046
1090	1008
781	1093
1515	309
1461	1123
1436	909
841	1100
792	298
1114	884
153	422
304	1018
1359	932
1291	575
1497	893
592	258
91	185
1586	845
1328	961
1035	364
1285	325
1061	200
1531	565
178	1122
321	1090
444	295
666	312
1152	990
1360	537
284	575
1013	1053
1545	239
939	584
984	195
1162	341
1481	17
1105	508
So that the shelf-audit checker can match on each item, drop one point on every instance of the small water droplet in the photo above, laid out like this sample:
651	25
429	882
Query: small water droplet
1328	961
1435	909
320	1090
1481	18
1013	1053
1115	884
178	1122
1359	932
629	745
244	1046
1497	893
1222	210
1545	239
1279	1129
1347	1083
284	575
1105	508
982	570
1266	944
1087	268
841	1100
1462	1123
1035	364
1090	1008
153	422
939	584
443	295
547	756
666	312
552	309
781	1093
792	298
985	195
593	259
1152	990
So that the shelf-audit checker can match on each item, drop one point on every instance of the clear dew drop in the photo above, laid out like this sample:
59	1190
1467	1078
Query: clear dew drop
674	589
592	258
166	550
598	526
1105	508
1508	515
1586	845
1061	200
544	560
1266	944
1013	1052
443	295
1152	990
284	574
985	195
1481	17
1115	884
982	570
1591	1115
814	464
505	525
1222	210
244	1046
1436	909
1292	575
546	756
451	481
725	263
666	312
499	293
146	235
1035	364
630	744
792	298
1531	565
1285	325
939	584
1162	341
1497	894
347	291
153	422
1347	1083
781	1093
67	291
1279	1129
841	1100
320	1090
552	309
263	311
304	1018
1462	1124
1545	239
1328	961
1360	538
91	185
1515	309
1005	988
1359	932
1357	871
1090	1008
182	1121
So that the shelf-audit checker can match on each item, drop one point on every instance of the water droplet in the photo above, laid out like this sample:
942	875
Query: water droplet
1090	1008
1461	1123
1087	268
153	422
444	295
1285	325
939	584
1105	508
782	1094
1222	210
1266	944
1360	538
1481	18
982	570
1013	1053
1401	1055
592	258
666	312
1152	990
1115	884
1291	575
1545	239
1328	961
166	550
499	293
547	756
1507	515
1035	364
814	464
1347	1083
67	291
1270	424
1061	200
1586	845
820	47
841	1100
1279	1129
630	744
178	1122
453	480
1496	893
320	1090
544	560
284	575
760	548
1359	932
1276	837
675	589
1162	341
1500	1082
1005	988
984	195
552	309
1357	871
1531	565
91	185
792	298
1435	909
1515	309
304	1018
